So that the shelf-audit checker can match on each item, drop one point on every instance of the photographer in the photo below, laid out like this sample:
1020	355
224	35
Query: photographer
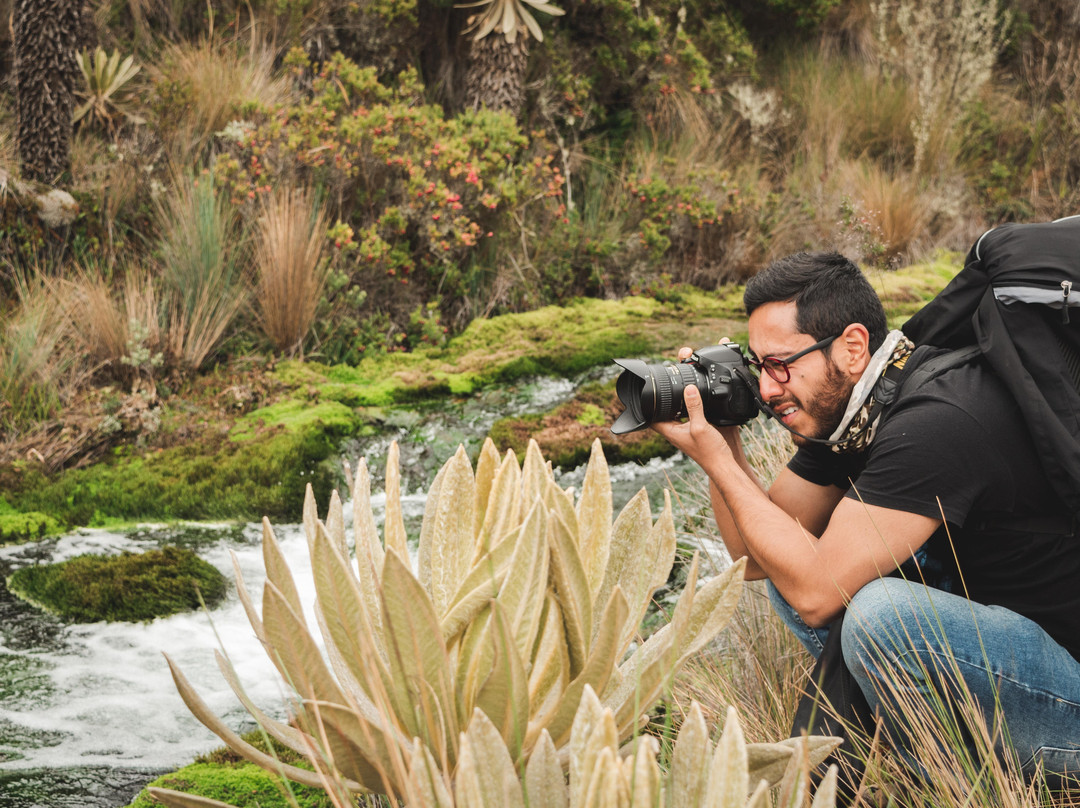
904	518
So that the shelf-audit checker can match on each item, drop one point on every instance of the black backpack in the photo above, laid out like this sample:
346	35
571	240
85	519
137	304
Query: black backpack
1018	300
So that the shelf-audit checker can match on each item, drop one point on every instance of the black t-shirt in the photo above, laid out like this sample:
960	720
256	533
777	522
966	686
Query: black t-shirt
957	448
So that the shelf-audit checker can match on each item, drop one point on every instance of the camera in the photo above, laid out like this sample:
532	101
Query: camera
651	393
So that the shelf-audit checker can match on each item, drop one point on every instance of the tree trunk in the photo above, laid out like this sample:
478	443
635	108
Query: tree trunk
46	36
495	77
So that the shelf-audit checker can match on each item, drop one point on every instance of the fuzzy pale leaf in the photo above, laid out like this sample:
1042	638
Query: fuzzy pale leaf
205	715
550	671
588	716
481	585
523	589
632	554
572	589
365	533
418	662
487	466
394	521
597	668
534	475
728	779
665	543
426	786
447	543
504	504
499	785
825	796
594	511
689	761
335	523
295	652
545	783
277	568
504	696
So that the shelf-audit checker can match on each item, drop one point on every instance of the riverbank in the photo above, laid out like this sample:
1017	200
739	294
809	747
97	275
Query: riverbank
245	441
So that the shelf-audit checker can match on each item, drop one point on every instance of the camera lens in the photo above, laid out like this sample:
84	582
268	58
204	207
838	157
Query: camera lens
650	392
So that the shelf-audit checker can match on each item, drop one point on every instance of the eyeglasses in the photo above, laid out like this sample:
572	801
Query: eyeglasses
778	368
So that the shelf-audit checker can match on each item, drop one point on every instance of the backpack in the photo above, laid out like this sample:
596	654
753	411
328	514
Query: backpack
1017	300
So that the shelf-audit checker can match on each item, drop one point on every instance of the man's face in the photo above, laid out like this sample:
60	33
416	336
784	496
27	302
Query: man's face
813	400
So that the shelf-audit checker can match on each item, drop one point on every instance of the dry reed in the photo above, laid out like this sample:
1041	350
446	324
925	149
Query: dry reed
290	276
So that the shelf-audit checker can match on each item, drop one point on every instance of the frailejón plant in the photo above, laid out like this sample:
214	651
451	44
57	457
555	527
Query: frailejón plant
523	596
106	80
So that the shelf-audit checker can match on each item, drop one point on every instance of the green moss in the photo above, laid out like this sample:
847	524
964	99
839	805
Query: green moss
556	340
565	433
243	785
128	587
263	476
904	291
223	775
16	527
295	416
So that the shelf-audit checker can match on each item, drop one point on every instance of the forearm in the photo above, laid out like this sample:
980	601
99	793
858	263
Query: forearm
725	522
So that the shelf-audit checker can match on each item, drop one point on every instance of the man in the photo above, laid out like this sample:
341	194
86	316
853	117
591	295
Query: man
931	486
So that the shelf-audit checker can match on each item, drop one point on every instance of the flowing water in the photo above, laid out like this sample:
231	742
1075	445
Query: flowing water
89	713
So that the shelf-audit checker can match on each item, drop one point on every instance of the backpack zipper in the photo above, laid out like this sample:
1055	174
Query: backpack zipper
1066	289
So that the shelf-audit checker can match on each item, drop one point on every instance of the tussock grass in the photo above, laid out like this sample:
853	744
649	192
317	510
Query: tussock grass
38	360
201	265
213	78
290	276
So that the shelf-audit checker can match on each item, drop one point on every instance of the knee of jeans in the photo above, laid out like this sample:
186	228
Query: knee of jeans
872	624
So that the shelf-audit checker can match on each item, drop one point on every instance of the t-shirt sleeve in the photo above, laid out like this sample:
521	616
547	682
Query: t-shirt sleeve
934	450
822	466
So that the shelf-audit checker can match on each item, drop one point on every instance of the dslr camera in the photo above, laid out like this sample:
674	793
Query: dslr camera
651	393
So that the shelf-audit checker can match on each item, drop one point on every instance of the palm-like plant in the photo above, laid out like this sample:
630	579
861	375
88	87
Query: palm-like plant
106	86
495	74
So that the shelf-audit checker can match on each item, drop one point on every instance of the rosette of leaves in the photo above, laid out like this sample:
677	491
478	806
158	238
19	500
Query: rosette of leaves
728	774
105	90
508	17
524	595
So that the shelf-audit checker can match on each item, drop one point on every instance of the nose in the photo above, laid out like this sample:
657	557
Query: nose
769	387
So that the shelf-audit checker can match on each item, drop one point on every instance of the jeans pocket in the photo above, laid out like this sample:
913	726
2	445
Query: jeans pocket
1061	766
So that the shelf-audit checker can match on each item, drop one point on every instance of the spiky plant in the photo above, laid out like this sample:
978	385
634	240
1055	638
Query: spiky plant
106	88
524	595
495	74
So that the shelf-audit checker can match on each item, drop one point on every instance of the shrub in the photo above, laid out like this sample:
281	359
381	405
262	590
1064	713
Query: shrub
128	587
419	196
524	596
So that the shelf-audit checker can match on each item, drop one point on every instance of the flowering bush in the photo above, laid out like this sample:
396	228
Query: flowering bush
418	195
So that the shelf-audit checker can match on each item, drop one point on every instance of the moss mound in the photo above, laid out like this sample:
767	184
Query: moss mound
262	476
222	775
565	433
16	527
128	587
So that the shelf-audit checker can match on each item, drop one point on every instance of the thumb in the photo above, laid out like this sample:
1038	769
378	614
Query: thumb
692	399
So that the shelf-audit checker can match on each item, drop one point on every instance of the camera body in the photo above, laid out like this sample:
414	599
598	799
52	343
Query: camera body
651	393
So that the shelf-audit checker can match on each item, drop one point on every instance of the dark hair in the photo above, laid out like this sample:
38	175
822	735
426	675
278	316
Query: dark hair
829	291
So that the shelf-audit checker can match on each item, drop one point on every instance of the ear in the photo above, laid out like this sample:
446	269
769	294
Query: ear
851	350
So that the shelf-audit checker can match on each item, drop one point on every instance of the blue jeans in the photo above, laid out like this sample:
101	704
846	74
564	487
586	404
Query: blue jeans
937	639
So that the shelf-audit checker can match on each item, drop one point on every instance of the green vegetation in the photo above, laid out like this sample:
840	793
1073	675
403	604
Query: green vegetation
263	476
128	587
16	528
223	775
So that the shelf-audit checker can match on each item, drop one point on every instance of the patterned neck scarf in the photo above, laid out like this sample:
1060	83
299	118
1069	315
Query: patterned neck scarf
860	421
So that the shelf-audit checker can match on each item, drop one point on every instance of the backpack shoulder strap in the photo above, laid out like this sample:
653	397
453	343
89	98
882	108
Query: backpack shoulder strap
934	368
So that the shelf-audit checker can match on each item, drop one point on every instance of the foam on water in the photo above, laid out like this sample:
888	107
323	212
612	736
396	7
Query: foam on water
109	694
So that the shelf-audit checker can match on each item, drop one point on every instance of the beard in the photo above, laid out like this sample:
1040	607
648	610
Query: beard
826	408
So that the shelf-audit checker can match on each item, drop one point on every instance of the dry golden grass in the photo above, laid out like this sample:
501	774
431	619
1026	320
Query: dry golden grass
290	276
894	205
217	76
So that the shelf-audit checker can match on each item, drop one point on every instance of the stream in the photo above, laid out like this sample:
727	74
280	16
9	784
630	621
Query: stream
89	713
